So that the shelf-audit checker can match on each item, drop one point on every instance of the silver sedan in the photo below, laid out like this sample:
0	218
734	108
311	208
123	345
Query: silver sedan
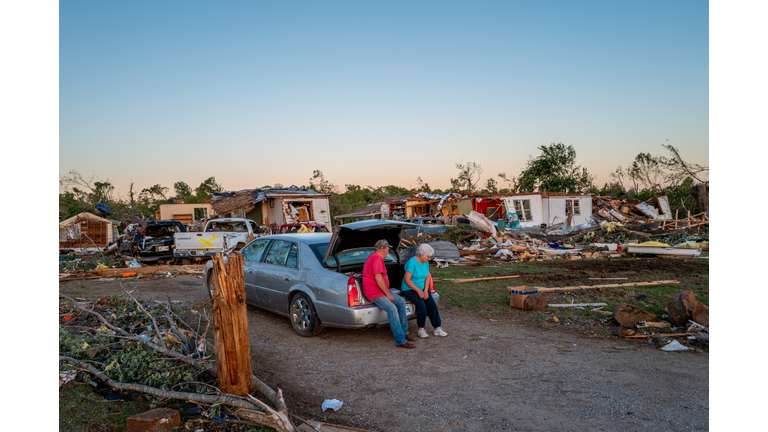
315	278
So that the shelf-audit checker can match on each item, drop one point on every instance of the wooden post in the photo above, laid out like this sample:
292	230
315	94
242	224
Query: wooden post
230	325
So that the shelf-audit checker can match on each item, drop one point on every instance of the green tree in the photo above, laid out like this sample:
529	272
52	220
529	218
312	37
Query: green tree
421	186
207	188
554	170
646	172
81	194
319	183
511	183
468	178
679	169
150	199
183	191
491	186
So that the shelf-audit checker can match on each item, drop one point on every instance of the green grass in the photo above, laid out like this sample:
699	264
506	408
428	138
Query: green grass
79	414
491	298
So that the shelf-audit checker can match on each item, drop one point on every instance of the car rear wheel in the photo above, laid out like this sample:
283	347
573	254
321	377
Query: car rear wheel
304	319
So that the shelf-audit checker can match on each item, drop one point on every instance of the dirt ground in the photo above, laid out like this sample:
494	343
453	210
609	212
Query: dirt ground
487	375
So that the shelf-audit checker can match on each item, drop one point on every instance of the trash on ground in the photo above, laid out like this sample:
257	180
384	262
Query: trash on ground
674	346
333	404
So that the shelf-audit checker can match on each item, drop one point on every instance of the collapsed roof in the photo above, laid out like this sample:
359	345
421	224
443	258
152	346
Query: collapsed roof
246	200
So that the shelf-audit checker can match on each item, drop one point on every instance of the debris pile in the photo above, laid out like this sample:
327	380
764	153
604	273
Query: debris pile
485	241
653	216
683	312
124	345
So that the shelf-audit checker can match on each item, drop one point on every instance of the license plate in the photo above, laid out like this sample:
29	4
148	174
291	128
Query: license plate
162	248
409	308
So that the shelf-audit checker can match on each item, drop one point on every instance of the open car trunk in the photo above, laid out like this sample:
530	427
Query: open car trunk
360	237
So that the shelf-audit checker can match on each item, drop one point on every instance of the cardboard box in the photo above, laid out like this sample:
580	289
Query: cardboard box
517	295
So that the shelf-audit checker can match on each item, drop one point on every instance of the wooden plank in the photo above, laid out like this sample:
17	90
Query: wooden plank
654	324
628	284
484	279
577	304
656	335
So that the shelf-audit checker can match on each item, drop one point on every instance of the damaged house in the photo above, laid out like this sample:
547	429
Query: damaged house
87	232
532	210
625	209
186	213
547	208
274	206
389	208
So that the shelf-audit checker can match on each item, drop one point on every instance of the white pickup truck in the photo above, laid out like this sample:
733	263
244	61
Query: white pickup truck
218	235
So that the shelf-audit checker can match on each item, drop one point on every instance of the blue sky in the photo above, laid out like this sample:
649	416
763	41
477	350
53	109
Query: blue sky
374	93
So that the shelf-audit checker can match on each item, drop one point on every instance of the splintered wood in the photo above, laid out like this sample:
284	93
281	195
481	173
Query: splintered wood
230	325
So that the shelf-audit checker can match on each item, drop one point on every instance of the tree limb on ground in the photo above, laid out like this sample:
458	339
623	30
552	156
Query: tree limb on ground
264	389
250	409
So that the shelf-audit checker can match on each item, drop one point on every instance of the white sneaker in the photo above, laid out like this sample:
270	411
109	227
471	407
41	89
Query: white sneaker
422	334
439	332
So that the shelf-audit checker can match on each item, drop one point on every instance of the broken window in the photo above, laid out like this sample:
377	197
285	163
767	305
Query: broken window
301	210
572	204
255	250
523	210
280	252
420	209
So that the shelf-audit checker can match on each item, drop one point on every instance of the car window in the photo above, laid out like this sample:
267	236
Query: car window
279	252
293	256
162	230
351	258
255	250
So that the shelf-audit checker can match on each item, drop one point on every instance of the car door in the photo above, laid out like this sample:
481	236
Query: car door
278	273
252	257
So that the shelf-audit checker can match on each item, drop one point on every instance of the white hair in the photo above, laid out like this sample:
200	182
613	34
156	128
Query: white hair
425	249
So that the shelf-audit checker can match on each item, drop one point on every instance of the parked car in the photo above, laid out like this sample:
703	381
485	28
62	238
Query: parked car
426	225
315	278
154	242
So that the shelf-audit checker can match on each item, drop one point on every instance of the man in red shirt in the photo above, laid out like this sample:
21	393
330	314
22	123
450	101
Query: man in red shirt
376	289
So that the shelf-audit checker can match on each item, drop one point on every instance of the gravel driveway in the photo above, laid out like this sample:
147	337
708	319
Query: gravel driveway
487	375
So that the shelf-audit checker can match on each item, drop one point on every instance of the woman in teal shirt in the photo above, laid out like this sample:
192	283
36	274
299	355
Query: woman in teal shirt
414	289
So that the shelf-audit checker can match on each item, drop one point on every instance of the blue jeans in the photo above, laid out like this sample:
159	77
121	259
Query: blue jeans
424	308
398	321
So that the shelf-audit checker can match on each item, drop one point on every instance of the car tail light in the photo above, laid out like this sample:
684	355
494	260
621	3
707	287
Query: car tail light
431	284
353	293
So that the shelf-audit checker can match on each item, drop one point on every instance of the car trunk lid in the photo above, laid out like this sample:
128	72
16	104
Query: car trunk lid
365	234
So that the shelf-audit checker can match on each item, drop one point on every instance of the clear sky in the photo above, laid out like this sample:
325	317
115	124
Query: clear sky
374	93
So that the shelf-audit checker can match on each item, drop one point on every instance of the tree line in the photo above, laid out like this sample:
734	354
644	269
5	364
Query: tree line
554	170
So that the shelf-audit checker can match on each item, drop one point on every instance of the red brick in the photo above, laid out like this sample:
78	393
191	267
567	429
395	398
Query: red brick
159	419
